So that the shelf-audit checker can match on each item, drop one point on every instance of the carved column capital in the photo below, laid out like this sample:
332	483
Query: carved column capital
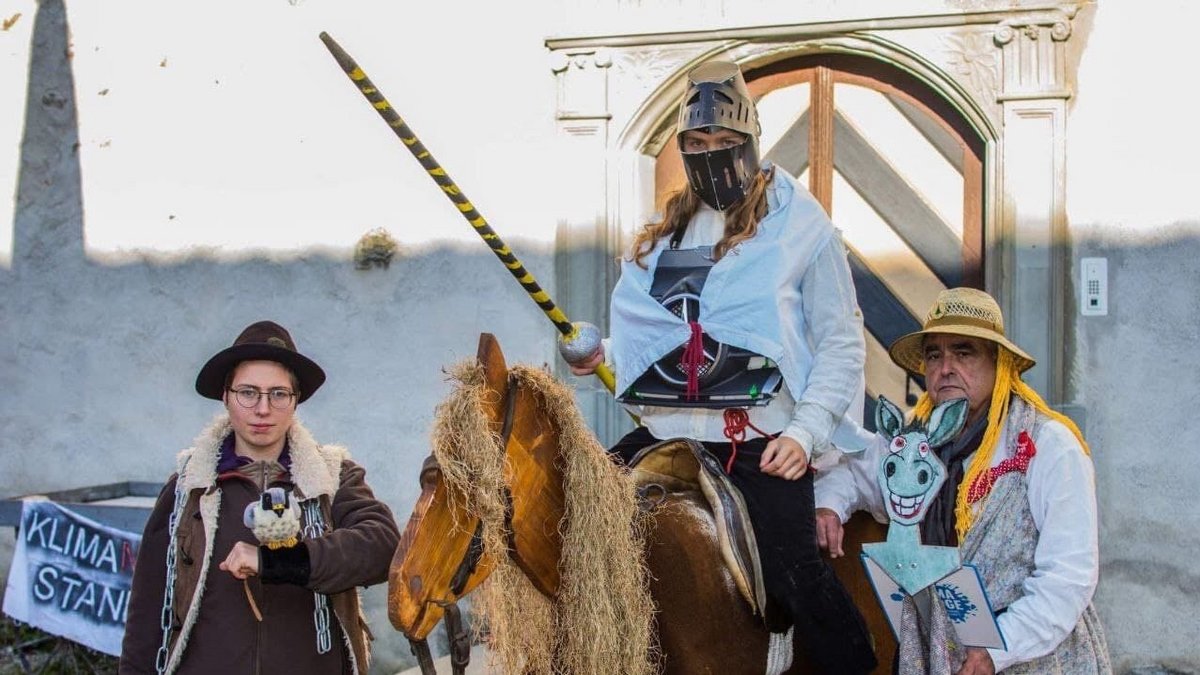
1034	55
561	60
582	77
1056	25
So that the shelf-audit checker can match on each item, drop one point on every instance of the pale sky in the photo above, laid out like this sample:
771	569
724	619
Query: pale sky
227	125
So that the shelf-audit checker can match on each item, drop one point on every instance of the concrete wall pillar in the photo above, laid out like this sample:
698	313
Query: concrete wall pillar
583	264
1031	279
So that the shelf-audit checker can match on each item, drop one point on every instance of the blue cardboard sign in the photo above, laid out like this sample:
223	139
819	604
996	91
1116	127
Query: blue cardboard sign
960	592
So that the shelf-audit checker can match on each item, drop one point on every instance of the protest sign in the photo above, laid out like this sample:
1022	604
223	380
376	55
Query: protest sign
71	576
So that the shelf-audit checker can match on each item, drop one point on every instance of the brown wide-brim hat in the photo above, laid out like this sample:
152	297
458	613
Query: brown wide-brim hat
261	341
958	311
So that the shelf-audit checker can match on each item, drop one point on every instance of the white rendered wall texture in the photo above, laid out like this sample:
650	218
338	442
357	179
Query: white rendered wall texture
1131	198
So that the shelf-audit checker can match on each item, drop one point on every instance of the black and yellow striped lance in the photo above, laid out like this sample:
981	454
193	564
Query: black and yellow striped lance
465	207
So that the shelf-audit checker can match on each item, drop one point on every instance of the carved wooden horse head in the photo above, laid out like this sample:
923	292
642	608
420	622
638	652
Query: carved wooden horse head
441	554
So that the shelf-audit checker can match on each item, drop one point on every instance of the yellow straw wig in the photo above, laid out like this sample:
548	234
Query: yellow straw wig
1008	382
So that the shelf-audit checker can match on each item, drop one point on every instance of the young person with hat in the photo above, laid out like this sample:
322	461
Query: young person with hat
735	323
206	597
1019	500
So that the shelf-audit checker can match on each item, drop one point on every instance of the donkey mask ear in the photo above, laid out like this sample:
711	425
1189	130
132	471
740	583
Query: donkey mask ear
888	418
946	420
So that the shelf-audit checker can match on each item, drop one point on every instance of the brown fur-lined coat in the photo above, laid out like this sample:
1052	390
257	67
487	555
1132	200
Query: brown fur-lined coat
213	627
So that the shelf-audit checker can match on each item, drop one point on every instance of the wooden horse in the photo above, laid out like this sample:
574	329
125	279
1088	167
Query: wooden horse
701	622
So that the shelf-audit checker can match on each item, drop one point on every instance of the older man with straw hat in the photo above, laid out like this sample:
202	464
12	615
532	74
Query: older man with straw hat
1019	500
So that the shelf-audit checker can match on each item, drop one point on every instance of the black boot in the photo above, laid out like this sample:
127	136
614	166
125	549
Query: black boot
830	626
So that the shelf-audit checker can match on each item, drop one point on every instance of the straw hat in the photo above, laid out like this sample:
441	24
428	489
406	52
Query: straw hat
958	311
260	341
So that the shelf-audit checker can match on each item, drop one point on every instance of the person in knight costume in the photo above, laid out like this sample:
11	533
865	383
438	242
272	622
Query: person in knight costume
735	323
205	599
1019	500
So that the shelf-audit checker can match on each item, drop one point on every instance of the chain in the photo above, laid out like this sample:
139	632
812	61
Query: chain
314	526
314	522
321	621
168	609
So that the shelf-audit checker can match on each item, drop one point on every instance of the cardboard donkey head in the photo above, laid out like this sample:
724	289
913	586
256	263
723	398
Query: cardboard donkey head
911	472
909	477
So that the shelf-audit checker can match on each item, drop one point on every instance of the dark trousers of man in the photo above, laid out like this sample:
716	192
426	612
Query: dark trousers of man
796	578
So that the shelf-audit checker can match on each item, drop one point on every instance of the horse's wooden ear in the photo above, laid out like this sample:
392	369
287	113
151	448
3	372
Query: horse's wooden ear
888	418
946	420
495	373
492	359
489	350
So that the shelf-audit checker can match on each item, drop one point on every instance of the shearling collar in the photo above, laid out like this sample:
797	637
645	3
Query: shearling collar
315	467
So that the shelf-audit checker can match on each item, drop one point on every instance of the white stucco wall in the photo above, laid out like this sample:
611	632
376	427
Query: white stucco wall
228	167
1132	177
223	176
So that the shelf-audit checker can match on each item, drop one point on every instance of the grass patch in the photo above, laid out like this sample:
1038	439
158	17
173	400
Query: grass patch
25	649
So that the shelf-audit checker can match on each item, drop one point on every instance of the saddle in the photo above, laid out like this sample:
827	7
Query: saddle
684	465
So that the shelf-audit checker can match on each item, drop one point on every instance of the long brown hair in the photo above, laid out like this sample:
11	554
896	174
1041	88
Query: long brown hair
741	220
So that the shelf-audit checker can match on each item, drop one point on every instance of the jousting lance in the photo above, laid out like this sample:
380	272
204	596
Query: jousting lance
578	340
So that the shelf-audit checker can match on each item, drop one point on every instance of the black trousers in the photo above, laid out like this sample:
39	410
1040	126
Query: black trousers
797	580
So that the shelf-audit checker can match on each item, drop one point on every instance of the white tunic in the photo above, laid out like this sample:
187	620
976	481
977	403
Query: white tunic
827	366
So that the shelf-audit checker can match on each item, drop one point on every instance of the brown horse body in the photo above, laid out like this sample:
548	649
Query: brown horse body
703	623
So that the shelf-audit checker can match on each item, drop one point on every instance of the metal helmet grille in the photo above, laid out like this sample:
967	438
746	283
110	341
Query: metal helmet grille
717	96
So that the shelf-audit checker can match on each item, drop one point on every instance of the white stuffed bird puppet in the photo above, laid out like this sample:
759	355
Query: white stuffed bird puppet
274	519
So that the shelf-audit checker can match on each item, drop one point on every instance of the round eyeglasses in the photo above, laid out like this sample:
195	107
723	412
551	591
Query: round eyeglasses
279	398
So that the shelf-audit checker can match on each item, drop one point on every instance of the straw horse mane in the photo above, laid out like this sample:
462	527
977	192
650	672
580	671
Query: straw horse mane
601	620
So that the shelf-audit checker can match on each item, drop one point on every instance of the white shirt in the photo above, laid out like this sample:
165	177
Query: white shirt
835	383
1062	500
